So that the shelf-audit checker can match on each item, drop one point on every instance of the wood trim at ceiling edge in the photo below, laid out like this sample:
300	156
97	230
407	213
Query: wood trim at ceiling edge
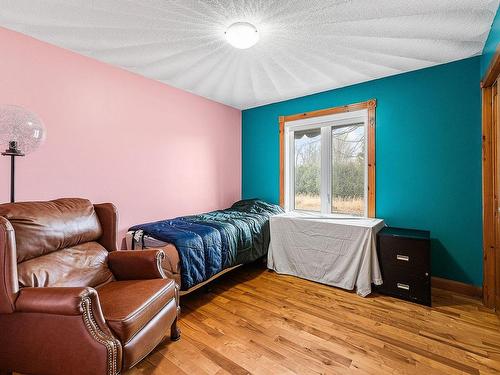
371	106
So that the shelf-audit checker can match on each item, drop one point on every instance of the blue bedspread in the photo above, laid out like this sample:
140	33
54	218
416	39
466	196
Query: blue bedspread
211	242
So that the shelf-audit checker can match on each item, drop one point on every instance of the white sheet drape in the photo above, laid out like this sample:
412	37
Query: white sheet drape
333	250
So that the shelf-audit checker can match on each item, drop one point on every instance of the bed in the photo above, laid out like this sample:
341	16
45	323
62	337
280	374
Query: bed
199	248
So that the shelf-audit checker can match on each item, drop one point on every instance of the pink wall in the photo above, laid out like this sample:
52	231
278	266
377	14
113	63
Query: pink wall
114	136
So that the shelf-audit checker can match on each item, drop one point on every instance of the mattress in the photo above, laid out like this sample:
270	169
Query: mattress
171	265
211	242
142	241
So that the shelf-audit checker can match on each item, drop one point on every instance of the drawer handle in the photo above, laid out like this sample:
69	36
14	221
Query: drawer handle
403	286
404	258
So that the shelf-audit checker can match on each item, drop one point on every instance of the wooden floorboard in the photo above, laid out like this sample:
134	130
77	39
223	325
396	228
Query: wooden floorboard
254	321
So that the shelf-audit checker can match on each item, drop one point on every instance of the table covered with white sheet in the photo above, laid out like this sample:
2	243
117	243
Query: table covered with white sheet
333	250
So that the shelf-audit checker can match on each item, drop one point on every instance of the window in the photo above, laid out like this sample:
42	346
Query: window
306	169
349	167
327	161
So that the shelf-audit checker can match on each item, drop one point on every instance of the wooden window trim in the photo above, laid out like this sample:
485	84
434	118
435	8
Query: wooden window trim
370	106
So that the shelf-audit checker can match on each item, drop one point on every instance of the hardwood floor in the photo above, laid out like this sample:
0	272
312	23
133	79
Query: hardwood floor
254	321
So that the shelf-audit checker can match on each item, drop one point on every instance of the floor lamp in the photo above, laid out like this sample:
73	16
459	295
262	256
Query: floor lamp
21	132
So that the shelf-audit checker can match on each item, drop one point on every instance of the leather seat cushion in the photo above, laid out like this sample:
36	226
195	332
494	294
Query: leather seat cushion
129	305
44	227
81	265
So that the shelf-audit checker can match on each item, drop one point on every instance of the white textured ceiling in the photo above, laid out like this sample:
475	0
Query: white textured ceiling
305	46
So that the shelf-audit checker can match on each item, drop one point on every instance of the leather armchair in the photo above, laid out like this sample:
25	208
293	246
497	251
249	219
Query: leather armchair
70	303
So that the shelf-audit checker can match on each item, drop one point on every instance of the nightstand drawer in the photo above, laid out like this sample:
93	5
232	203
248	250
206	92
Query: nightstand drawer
408	287
405	262
404	253
405	269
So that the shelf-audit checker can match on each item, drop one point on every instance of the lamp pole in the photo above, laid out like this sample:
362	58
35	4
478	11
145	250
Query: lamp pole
12	151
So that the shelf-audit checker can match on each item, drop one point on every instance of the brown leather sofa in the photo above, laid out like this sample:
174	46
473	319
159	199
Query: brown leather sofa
70	303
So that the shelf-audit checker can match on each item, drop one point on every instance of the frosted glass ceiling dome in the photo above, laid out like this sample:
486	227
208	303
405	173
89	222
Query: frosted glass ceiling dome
242	35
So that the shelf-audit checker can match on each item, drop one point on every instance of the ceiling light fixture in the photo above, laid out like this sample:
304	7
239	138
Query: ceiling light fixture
242	35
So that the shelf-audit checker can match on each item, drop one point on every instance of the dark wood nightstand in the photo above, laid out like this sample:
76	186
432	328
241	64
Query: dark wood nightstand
405	261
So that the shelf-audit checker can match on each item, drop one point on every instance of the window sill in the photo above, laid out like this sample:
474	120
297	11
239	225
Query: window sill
314	214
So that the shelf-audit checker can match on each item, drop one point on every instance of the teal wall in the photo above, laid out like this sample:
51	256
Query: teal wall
428	144
491	44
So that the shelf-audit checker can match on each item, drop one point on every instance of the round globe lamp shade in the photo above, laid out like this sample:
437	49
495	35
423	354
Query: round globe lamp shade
20	129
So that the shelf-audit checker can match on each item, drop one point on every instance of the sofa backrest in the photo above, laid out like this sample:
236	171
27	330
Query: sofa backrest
81	265
56	243
44	227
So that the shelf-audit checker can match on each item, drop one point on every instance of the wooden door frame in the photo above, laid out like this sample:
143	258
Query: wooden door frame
489	256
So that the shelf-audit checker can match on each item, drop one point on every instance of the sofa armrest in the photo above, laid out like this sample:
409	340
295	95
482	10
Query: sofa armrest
71	321
66	301
136	264
54	300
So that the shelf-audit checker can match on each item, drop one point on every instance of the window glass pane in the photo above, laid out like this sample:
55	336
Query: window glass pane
307	170
348	169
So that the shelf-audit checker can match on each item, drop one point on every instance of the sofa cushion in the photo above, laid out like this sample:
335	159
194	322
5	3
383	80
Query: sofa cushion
129	305
78	266
44	227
